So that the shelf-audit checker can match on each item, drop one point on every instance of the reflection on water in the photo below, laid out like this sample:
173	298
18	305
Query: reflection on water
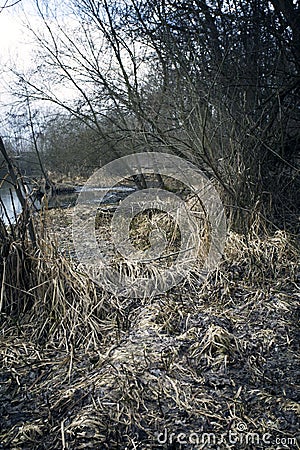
10	205
13	207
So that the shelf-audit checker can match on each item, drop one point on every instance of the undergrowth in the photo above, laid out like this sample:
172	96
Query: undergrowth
82	368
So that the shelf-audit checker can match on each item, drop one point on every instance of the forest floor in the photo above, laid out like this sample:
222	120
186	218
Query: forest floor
208	366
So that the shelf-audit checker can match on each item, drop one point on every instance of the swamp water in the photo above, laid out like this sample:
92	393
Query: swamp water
10	206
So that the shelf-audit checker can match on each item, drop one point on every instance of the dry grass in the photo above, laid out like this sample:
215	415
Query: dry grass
81	368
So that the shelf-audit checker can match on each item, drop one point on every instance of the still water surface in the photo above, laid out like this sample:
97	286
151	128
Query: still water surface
12	206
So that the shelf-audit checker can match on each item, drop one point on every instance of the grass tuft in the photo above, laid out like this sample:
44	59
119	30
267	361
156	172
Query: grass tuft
82	368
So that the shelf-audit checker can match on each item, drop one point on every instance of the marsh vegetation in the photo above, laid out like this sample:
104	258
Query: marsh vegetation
216	83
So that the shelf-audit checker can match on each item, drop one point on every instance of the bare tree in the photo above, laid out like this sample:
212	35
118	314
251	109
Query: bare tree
213	82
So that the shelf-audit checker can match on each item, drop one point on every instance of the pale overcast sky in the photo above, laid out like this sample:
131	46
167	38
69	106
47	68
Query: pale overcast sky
17	50
15	47
14	38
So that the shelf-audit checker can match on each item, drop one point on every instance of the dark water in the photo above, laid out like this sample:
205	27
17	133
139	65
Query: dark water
12	205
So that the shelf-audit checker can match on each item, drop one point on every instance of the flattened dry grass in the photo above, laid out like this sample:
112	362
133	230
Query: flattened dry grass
83	369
